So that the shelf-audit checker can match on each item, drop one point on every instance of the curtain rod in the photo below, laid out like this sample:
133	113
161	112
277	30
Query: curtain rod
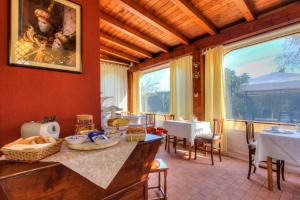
115	62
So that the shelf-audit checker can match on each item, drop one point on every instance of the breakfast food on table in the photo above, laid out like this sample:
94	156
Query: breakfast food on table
135	134
37	140
117	122
85	131
32	148
34	142
135	130
91	135
93	140
84	122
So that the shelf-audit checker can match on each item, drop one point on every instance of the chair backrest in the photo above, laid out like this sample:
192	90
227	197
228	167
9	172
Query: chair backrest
169	117
249	131
150	120
218	126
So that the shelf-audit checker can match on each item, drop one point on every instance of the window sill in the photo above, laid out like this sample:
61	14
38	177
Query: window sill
263	122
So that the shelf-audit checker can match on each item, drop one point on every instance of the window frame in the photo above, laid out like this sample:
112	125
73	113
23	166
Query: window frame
258	39
147	71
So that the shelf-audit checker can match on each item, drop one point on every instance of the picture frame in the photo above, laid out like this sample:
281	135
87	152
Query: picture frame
45	34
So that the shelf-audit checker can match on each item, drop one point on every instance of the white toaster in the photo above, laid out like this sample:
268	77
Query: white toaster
37	128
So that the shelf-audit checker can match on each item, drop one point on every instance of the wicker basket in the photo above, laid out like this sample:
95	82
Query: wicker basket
136	137
30	155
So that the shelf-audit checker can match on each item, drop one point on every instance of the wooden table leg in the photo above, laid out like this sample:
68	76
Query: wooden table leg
165	185
270	176
190	151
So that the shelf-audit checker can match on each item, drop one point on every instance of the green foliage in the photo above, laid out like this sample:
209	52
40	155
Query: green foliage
289	59
237	101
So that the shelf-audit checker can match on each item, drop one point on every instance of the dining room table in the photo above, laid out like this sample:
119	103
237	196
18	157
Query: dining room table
279	144
188	129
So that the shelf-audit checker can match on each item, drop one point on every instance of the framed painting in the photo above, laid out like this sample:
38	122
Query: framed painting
45	34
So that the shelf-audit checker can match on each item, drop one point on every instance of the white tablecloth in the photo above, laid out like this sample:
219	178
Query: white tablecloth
185	129
278	146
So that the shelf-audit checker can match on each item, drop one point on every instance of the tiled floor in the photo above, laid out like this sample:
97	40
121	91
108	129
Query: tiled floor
198	179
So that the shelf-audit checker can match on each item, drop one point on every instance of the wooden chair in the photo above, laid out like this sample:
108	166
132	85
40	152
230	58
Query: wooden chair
171	139
150	120
251	142
213	141
159	166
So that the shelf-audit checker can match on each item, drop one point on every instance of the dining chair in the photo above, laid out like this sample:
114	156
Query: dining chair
150	120
251	142
171	139
213	142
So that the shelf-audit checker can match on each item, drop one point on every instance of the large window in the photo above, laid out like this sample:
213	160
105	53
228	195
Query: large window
155	91
263	81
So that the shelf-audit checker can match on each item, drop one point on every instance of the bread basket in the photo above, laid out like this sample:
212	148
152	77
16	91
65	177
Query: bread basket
30	155
136	137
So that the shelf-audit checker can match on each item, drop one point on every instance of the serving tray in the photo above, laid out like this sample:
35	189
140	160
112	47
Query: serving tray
89	146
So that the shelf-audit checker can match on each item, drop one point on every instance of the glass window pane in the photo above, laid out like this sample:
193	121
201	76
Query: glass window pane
155	91
263	81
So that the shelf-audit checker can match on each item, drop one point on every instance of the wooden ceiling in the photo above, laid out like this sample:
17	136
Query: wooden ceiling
136	30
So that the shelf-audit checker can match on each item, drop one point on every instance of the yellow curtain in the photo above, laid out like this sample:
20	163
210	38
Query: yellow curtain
214	87
136	91
181	87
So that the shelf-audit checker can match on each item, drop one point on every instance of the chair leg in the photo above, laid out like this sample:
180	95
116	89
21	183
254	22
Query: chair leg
278	169
174	141
212	153
220	156
195	147
169	143
184	143
165	185
250	165
282	170
159	185
175	144
205	148
254	170
166	142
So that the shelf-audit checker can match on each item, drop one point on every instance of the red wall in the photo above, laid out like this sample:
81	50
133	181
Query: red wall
30	94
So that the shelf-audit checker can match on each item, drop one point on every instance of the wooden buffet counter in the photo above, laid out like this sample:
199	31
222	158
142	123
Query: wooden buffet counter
49	180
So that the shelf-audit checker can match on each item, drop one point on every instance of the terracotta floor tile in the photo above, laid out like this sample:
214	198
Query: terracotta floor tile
227	180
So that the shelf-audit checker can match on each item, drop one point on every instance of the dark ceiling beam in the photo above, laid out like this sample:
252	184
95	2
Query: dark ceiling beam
132	32
189	9
119	54
246	9
125	45
144	14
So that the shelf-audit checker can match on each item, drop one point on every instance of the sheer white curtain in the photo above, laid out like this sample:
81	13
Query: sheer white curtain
114	85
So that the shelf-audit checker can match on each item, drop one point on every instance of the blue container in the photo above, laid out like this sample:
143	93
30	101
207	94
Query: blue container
93	134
